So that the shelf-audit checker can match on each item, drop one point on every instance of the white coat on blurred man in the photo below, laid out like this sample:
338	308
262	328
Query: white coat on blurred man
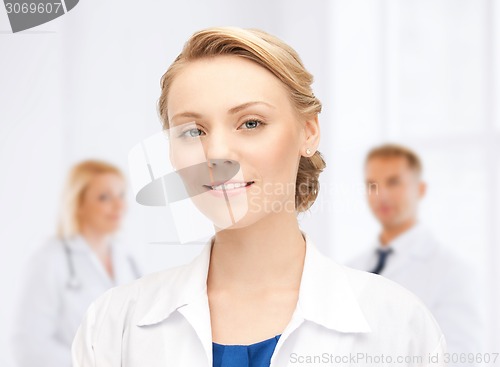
448	284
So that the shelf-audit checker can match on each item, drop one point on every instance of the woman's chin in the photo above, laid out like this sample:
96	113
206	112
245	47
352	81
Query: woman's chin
222	213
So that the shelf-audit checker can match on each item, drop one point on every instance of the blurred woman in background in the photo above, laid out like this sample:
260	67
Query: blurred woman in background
72	269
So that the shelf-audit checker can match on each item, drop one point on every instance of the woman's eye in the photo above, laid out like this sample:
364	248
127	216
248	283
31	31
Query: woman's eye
252	124
193	133
103	197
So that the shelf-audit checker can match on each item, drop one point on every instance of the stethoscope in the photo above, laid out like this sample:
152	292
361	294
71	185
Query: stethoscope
74	282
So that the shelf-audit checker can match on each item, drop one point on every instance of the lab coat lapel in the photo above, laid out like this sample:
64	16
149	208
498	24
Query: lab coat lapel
413	245
326	299
397	262
123	271
79	244
277	358
197	313
196	309
119	261
187	294
325	295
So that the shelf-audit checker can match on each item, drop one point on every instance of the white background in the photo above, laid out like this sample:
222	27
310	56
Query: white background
421	72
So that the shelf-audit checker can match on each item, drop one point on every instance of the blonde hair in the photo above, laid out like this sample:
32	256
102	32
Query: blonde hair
274	55
391	150
76	185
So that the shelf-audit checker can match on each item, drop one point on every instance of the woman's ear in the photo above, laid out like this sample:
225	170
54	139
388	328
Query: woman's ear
312	136
422	189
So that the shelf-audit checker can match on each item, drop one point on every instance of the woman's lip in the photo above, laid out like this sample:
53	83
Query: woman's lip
231	192
217	183
227	183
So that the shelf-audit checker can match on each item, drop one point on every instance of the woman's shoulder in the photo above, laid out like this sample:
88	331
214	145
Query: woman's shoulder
141	292
48	255
168	285
377	296
389	307
44	267
370	284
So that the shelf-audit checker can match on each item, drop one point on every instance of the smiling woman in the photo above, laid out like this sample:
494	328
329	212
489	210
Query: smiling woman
253	69
240	101
250	120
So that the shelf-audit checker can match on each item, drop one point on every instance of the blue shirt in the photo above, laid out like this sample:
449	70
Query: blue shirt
252	355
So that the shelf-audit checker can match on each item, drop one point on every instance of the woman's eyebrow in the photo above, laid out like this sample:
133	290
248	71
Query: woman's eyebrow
246	105
232	110
186	114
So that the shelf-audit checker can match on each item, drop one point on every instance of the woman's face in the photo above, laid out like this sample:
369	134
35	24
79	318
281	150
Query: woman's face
103	203
232	120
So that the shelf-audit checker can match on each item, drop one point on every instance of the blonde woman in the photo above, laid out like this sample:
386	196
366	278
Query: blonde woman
72	269
260	293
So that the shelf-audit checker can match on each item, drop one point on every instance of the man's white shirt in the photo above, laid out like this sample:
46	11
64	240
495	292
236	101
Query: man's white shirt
447	284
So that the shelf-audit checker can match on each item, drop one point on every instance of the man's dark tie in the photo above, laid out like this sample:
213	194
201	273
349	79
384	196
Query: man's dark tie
382	257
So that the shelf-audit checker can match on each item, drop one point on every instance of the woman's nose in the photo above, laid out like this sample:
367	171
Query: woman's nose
219	150
221	157
119	203
213	163
222	169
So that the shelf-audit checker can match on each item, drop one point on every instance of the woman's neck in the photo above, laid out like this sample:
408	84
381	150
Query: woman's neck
267	254
98	241
100	244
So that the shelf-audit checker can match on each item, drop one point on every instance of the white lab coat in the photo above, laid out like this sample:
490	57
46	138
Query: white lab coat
48	312
163	319
448	285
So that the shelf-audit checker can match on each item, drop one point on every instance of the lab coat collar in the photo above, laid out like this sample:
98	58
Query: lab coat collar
78	243
415	242
325	295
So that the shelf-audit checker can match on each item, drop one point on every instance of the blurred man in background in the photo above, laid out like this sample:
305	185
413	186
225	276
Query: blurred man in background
407	253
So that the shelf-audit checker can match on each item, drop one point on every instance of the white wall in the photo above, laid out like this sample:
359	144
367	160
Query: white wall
423	73
419	72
